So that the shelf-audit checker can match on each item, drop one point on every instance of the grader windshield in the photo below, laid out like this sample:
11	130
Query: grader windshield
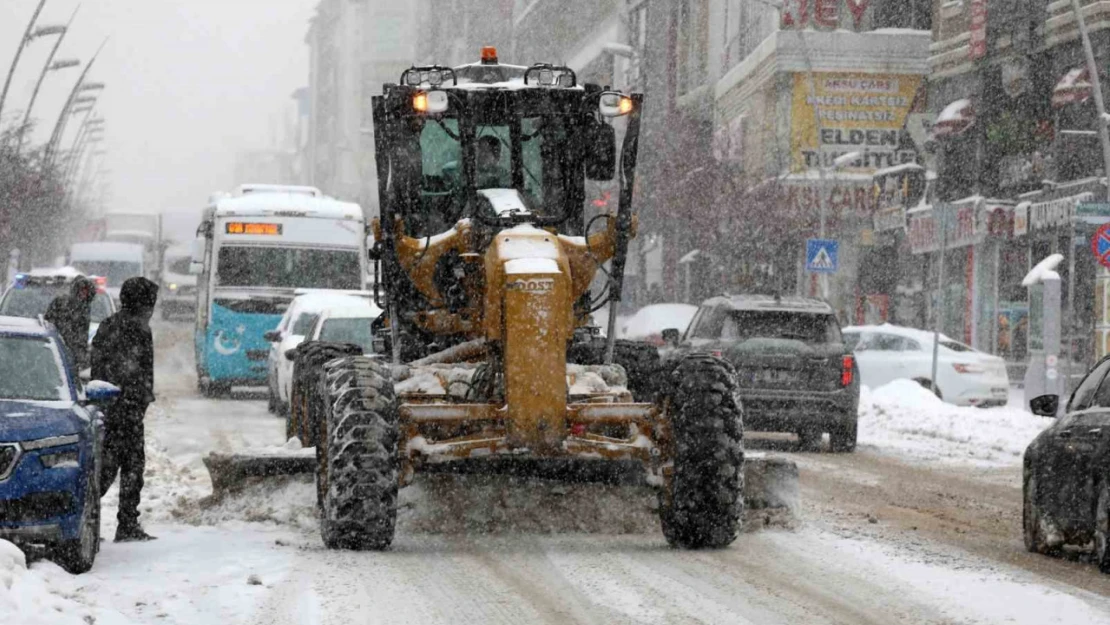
475	129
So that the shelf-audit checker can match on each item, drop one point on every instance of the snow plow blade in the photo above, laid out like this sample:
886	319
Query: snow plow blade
230	472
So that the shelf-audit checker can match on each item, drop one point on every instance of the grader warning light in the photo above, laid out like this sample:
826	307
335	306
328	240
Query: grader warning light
489	55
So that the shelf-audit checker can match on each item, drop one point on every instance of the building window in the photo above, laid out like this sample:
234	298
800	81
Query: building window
915	14
693	41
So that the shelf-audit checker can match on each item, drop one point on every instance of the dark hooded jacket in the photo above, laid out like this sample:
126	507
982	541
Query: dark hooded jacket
70	314
123	349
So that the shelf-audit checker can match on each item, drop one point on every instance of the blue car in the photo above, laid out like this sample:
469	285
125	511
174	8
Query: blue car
50	440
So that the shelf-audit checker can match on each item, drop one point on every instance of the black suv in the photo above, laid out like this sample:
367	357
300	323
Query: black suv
794	371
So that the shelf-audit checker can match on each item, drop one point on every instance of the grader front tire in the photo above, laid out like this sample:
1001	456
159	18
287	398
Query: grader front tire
358	476
703	502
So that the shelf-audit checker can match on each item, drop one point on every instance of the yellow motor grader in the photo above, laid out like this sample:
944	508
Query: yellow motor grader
486	254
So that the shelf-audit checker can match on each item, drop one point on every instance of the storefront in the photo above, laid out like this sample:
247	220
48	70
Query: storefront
1060	221
950	262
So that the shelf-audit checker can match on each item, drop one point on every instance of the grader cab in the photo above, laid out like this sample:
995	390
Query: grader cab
487	246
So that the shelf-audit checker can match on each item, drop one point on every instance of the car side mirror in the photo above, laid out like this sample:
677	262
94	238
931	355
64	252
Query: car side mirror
101	392
272	336
1045	405
671	337
291	354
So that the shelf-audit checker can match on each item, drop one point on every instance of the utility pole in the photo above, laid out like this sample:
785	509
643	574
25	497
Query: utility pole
18	53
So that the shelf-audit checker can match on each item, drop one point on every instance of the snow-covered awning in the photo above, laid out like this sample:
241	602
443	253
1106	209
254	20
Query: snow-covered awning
689	257
954	119
1073	88
897	169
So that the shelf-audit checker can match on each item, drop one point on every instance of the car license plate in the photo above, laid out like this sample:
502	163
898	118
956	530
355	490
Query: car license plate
775	376
1000	392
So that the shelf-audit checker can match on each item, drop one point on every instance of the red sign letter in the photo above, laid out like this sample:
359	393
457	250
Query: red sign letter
795	13
826	12
858	8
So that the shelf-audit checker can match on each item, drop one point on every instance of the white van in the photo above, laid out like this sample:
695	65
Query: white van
115	262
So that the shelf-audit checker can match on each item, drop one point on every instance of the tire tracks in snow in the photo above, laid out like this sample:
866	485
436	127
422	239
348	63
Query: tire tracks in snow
977	510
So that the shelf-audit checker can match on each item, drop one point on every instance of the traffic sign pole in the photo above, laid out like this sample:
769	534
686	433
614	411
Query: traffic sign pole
942	217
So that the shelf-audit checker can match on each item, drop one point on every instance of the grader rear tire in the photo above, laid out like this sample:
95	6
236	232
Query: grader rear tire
703	502
357	478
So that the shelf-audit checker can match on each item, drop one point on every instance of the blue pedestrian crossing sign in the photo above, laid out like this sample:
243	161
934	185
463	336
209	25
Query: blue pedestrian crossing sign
821	255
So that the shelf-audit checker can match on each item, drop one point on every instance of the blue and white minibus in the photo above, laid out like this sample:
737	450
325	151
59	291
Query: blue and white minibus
253	250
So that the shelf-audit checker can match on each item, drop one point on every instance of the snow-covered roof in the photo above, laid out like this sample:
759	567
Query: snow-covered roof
759	301
252	188
320	301
352	308
924	336
653	319
22	325
267	204
56	272
106	250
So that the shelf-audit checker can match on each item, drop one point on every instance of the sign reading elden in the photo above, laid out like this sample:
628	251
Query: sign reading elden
839	113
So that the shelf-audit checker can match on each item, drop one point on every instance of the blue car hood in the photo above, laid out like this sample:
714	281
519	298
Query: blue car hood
28	421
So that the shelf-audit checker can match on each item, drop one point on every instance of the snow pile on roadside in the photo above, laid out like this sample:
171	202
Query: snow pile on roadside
283	500
904	418
27	597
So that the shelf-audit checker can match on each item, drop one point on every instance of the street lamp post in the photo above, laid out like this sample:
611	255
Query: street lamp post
1096	88
59	127
28	35
49	65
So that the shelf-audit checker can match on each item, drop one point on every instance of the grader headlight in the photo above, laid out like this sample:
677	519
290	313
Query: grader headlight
430	102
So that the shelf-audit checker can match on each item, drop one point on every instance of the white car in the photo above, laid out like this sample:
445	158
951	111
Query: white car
349	322
965	375
648	323
302	313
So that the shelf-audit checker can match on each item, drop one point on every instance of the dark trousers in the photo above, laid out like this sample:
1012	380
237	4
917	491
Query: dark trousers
124	454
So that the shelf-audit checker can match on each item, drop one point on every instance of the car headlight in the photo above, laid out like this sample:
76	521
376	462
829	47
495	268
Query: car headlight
51	458
173	287
60	460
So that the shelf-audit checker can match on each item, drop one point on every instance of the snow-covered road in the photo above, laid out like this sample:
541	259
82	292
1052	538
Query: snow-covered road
916	527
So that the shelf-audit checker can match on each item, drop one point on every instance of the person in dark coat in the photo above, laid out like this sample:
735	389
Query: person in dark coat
70	314
123	354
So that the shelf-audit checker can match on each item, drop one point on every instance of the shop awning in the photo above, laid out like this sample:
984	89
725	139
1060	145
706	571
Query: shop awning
1073	88
954	119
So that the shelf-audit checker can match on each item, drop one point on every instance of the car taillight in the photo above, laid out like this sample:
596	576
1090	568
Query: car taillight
847	373
962	368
